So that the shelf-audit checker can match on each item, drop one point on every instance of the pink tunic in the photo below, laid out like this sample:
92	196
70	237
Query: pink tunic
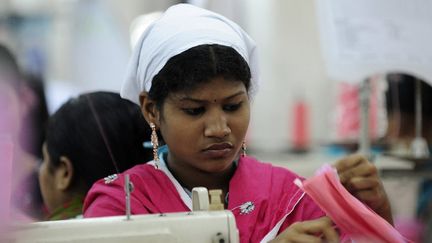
277	202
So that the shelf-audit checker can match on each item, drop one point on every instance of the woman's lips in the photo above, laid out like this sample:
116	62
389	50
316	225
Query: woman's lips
219	146
219	150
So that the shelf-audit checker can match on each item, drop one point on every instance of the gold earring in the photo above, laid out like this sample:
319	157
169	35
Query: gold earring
243	148
155	143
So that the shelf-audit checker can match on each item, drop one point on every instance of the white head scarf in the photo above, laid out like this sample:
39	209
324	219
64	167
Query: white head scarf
180	28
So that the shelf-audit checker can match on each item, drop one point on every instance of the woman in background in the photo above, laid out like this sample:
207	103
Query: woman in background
16	103
88	138
401	113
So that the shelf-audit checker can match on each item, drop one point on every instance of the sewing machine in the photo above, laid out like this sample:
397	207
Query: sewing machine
200	225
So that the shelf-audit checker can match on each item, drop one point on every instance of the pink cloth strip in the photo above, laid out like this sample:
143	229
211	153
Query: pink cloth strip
353	217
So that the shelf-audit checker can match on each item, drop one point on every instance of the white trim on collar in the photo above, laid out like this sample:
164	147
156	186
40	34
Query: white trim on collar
273	232
186	198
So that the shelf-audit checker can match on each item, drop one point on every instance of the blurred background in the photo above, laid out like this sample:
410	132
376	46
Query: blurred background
307	110
83	45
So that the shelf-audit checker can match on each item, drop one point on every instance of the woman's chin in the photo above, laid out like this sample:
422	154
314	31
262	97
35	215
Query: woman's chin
214	168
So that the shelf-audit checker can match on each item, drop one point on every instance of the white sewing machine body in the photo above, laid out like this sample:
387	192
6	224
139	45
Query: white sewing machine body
199	226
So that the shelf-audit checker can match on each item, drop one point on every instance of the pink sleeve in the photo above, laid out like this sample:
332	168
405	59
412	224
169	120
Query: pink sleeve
109	200
102	206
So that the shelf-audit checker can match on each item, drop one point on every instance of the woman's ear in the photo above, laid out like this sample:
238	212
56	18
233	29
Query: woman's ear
149	108
64	174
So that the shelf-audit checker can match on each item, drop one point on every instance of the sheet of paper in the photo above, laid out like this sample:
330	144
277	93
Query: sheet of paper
361	38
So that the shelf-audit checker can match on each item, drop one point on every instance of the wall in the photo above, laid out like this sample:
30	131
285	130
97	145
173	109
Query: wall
89	49
292	68
90	46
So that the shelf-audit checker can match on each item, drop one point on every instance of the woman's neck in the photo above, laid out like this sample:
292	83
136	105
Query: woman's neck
190	177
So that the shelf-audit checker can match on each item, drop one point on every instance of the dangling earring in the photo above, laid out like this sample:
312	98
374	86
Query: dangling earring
155	143
243	148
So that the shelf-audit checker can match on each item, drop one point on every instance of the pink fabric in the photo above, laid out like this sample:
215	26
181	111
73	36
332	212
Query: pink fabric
347	118
6	155
269	188
346	211
410	228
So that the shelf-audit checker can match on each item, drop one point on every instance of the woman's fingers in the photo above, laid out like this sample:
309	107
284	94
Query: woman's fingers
323	226
348	162
361	179
354	166
362	183
310	231
374	199
303	238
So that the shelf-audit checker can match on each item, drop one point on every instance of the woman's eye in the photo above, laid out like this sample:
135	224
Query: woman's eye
232	107
194	111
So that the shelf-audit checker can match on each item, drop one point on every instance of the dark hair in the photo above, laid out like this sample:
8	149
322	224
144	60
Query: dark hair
400	95
9	70
98	132
198	65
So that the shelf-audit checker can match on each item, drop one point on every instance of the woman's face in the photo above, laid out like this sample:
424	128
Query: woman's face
205	128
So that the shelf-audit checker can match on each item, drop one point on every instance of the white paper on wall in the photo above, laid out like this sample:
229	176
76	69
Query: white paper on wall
362	38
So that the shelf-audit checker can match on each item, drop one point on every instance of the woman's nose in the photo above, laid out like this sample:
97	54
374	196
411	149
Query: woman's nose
217	126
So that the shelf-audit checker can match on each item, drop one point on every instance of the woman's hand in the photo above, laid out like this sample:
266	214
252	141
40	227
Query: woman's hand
360	178
317	230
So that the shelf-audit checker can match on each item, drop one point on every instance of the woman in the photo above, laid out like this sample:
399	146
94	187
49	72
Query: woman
16	101
90	137
193	73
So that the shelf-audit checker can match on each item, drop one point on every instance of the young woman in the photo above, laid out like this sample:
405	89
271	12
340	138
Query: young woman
90	137
193	73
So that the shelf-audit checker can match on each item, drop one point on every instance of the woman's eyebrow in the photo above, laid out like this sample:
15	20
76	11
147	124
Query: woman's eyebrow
190	99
